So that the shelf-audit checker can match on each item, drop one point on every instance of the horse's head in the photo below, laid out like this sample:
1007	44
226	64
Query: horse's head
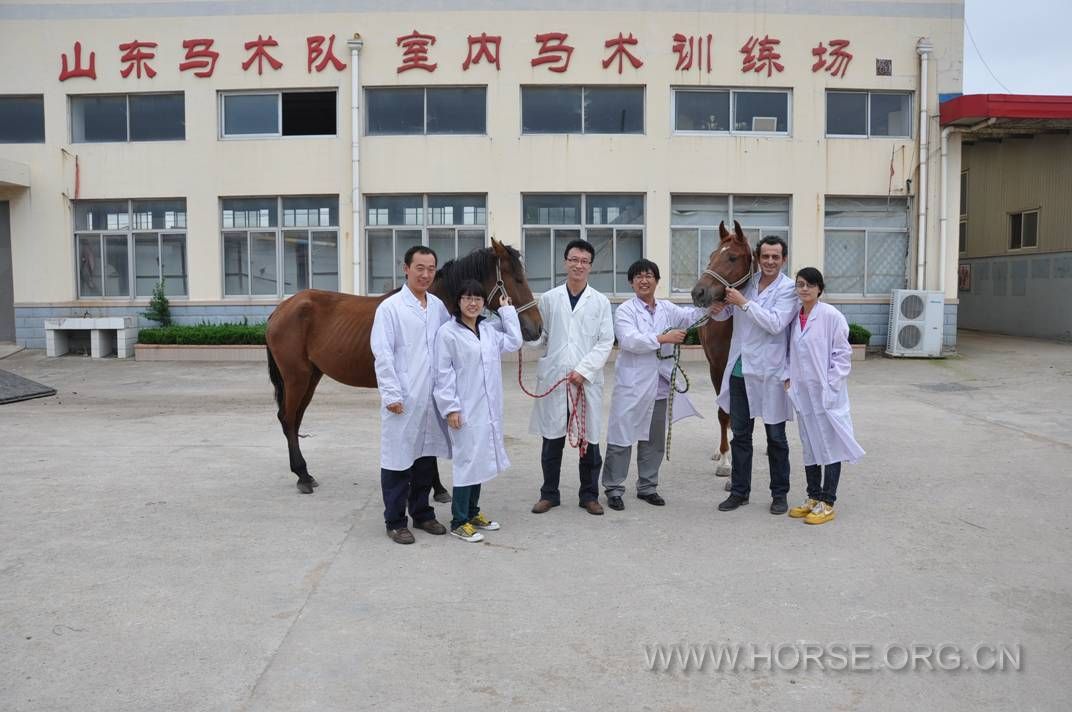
510	276
730	265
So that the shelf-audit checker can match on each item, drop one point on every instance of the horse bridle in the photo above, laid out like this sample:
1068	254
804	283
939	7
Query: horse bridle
500	288
725	282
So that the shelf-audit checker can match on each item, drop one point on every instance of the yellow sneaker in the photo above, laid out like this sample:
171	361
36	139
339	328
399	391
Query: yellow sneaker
804	509
482	522
467	532
822	514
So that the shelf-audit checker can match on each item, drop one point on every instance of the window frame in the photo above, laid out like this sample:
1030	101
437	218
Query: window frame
126	112
733	91
424	112
44	131
583	87
280	249
424	226
221	134
867	116
1037	212
583	228
130	232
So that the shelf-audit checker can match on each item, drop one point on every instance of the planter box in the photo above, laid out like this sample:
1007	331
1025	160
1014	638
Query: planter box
859	352
180	352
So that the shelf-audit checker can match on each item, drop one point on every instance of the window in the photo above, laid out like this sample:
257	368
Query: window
22	119
866	252
694	223
752	111
963	237
1023	230
596	110
121	242
862	113
278	113
452	225
128	117
263	256
613	223
420	110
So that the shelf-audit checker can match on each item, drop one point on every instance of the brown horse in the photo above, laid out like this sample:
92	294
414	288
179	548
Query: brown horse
730	265
315	333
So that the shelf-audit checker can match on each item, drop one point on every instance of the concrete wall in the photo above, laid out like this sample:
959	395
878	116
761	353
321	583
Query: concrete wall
1022	295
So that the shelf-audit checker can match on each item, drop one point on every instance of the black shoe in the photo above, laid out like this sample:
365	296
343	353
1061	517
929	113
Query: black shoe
779	506
652	498
441	497
732	502
615	503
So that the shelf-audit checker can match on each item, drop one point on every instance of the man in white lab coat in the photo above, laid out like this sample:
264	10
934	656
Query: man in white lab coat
579	334
752	385
645	328
412	433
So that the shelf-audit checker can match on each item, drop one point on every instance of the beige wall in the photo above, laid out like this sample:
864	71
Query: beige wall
503	164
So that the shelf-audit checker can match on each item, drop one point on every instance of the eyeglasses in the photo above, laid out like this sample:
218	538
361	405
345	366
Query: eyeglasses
579	261
805	285
472	299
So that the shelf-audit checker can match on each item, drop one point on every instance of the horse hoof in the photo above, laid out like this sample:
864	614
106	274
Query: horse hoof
305	487
313	481
723	471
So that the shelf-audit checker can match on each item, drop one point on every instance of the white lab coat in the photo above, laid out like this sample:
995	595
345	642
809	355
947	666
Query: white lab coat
403	344
638	369
819	362
761	334
577	340
469	381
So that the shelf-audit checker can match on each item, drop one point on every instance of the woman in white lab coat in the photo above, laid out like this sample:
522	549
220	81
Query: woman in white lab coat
469	392
819	362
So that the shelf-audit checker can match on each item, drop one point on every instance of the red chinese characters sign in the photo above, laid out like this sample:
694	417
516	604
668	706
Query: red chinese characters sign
838	61
621	51
761	54
199	56
415	52
553	50
483	46
690	52
318	58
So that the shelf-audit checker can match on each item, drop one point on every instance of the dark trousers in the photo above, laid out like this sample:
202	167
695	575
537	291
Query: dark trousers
588	467
820	488
465	505
408	488
742	423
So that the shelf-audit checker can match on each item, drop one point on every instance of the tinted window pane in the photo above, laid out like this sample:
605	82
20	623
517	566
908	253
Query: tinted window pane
394	210
380	261
98	118
22	119
1030	230
146	264
101	215
313	211
699	209
846	113
325	260
262	262
246	114
173	264
157	117
295	261
614	110
601	277
248	212
551	209
550	109
615	210
457	111
538	261
761	111
457	210
887	262
843	262
890	115
395	111
684	259
309	113
629	249
159	214
235	263
89	266
116	277
702	111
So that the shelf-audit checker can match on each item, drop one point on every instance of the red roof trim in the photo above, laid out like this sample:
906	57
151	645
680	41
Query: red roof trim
972	108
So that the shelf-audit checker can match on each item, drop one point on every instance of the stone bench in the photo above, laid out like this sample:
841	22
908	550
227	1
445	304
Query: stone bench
100	340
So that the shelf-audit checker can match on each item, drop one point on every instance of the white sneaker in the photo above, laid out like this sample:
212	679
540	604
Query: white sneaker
482	522
467	532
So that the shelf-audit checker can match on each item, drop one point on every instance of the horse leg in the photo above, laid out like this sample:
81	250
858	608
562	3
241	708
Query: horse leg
314	380
724	464
295	398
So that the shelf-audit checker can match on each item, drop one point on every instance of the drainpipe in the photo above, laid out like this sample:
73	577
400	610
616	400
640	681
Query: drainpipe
355	46
943	210
923	49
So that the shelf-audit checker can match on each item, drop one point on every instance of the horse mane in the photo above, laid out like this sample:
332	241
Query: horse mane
476	265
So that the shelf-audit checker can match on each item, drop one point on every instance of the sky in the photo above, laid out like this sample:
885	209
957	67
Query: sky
1024	42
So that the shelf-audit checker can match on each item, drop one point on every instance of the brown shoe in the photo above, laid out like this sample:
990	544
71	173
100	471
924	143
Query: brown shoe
544	505
401	536
431	526
592	507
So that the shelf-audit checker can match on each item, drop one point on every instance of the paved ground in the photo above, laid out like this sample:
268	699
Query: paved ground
157	555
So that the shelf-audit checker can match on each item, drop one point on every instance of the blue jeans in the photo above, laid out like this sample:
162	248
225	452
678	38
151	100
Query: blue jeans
742	423
824	490
408	488
465	504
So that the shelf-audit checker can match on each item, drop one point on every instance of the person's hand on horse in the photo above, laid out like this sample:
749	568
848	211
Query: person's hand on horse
734	297
674	336
576	378
395	408
504	300
716	308
787	384
454	420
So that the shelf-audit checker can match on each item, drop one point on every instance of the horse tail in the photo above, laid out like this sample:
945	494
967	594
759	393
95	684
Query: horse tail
277	379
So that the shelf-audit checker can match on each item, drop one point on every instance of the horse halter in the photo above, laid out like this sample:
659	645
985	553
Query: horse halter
500	288
725	282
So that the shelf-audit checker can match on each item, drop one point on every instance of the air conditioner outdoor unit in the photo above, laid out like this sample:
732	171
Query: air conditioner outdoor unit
765	123
916	320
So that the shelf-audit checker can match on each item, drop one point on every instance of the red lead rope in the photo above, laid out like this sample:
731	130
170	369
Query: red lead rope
577	405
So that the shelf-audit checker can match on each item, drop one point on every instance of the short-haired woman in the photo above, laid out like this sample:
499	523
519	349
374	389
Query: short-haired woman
468	391
819	362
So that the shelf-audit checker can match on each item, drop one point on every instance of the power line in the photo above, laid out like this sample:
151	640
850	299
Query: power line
981	59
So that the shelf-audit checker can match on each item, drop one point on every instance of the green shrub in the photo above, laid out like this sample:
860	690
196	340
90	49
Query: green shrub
205	334
692	336
859	335
159	307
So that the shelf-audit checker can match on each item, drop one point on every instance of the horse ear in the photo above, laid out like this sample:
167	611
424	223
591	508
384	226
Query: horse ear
723	233
496	245
737	229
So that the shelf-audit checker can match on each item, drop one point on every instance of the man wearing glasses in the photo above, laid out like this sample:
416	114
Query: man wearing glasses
578	333
752	384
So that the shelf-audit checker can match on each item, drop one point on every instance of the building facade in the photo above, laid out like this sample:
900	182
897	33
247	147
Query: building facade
240	152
